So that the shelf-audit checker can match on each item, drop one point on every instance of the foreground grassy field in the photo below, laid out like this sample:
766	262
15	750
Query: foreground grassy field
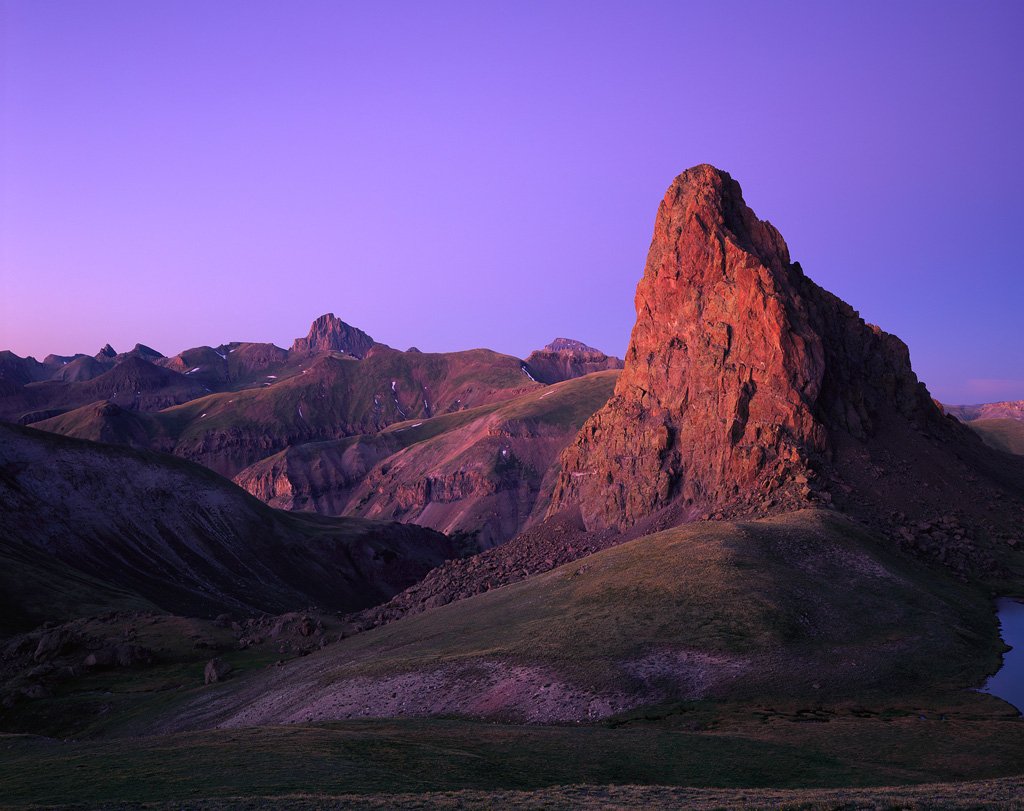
696	745
835	664
984	794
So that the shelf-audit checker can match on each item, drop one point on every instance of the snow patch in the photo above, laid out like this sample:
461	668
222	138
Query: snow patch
527	373
193	370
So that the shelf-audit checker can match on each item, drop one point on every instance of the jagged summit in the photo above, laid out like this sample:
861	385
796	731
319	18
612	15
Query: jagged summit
747	387
569	345
143	351
329	332
106	352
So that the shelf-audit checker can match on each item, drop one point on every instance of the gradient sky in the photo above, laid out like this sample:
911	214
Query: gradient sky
452	175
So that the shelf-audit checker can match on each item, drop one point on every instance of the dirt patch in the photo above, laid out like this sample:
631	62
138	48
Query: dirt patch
685	674
490	689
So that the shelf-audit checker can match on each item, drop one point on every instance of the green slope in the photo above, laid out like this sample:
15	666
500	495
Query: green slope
183	537
798	606
1004	435
36	588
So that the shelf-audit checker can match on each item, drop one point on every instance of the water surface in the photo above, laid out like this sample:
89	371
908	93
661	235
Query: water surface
1008	683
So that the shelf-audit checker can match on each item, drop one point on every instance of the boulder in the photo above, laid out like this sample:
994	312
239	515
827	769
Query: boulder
216	670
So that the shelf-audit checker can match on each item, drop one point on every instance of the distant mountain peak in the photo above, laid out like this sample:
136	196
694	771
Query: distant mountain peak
566	358
569	345
330	333
106	352
145	351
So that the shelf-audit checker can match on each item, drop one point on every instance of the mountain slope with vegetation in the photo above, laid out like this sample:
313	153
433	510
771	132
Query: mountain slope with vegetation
179	536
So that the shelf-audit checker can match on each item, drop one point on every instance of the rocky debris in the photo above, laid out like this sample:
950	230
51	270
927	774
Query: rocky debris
216	670
148	643
748	390
52	644
35	664
293	633
564	359
560	539
944	539
329	333
123	655
35	690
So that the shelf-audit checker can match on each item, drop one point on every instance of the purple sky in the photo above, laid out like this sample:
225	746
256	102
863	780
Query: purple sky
456	175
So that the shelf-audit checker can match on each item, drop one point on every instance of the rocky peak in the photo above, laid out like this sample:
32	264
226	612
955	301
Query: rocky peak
569	345
106	353
143	351
739	376
565	358
330	333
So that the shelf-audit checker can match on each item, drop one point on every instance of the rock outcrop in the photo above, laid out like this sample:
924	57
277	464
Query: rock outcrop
216	670
748	389
564	359
329	333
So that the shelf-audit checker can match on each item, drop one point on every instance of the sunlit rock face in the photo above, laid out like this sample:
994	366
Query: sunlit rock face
739	374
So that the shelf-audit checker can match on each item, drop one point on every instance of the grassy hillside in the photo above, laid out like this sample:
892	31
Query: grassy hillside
1002	434
106	422
480	470
36	587
803	605
182	537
